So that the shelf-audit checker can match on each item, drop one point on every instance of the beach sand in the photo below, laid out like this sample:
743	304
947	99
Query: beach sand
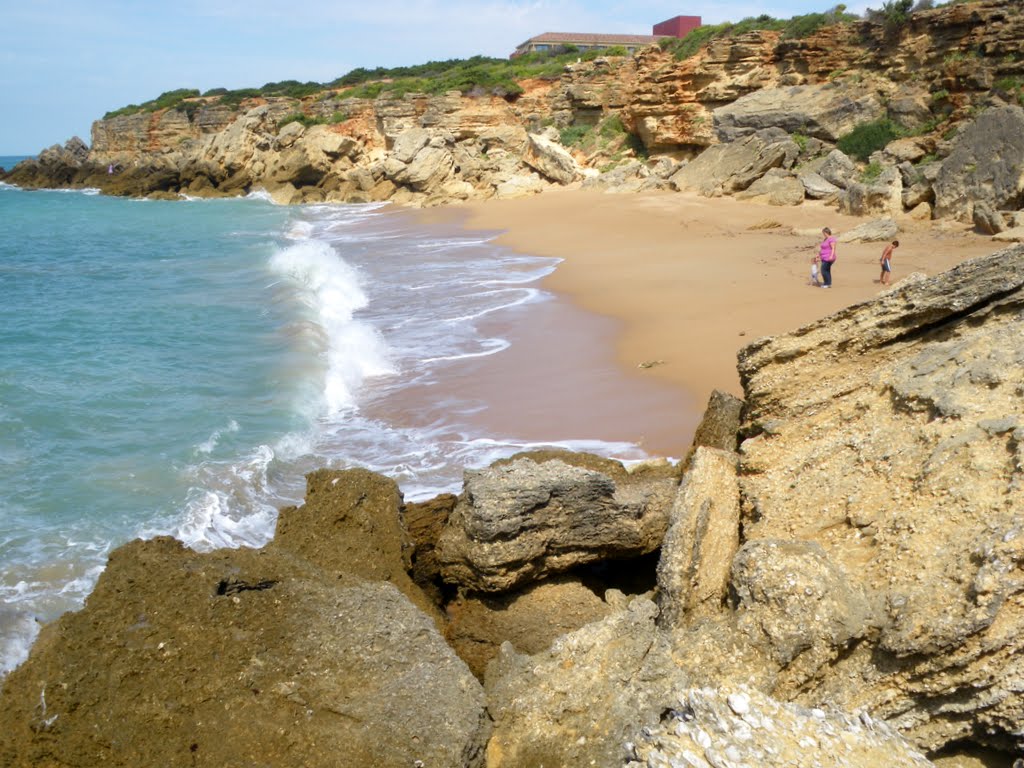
691	280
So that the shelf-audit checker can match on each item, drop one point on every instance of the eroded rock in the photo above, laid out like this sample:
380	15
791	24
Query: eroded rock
524	520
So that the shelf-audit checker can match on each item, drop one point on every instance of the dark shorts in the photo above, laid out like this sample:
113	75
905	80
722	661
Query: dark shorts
885	266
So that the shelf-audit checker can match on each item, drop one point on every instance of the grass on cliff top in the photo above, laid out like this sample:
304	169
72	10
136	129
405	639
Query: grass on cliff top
478	75
792	29
166	100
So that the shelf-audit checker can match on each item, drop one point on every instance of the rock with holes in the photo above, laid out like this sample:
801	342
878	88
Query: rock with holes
708	727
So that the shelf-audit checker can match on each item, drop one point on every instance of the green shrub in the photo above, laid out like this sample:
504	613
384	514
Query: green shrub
685	47
892	15
299	117
800	140
869	137
792	29
237	96
291	88
166	100
574	135
872	172
612	127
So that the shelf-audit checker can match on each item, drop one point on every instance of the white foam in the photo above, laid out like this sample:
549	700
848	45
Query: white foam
210	443
260	194
229	506
330	291
17	633
528	295
490	347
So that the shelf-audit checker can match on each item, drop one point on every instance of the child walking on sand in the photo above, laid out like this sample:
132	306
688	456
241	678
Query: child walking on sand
886	261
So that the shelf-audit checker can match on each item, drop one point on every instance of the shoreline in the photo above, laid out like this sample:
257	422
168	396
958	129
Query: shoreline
691	280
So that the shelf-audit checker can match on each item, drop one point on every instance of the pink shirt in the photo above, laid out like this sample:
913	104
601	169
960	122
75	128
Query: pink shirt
828	249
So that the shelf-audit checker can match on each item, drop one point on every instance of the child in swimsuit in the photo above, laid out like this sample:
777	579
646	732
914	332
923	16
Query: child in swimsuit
886	262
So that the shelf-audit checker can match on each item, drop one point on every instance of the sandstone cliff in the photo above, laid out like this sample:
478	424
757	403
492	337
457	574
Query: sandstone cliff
834	576
772	108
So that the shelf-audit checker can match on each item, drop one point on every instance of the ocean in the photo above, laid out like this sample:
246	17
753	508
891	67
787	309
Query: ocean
178	367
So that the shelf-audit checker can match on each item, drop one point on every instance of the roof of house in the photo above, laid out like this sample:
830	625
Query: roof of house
592	38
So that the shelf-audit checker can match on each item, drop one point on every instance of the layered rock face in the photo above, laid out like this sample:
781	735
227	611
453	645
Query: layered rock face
938	76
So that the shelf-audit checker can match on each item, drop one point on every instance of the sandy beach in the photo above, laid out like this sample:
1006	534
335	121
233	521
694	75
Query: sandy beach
691	280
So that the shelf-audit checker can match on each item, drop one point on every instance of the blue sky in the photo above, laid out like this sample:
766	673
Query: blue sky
64	63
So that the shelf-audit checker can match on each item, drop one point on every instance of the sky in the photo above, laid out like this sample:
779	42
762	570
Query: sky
64	63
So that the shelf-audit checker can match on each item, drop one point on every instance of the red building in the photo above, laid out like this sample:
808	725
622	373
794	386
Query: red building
678	26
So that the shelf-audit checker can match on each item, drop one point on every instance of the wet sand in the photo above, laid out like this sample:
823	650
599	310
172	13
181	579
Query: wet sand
690	280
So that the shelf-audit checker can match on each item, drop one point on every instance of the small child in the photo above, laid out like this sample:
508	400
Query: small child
886	262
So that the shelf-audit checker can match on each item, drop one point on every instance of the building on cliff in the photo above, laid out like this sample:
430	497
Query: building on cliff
678	26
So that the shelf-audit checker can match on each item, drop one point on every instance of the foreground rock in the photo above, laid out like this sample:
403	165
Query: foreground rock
886	440
239	657
709	728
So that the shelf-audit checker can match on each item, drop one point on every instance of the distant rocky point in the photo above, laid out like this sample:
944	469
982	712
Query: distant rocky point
833	576
758	115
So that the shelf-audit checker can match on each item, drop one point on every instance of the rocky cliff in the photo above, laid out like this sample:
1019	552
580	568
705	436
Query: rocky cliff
772	109
833	576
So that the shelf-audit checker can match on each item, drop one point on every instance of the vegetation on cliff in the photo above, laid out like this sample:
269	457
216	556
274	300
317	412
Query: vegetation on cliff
477	75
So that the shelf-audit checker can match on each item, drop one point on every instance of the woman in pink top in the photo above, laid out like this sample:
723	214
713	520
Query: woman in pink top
827	256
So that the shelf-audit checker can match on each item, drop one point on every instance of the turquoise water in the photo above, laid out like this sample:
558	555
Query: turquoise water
177	367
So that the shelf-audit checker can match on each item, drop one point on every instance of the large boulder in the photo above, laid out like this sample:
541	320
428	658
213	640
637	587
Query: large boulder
984	165
530	518
881	195
551	160
872	231
826	111
239	657
838	169
887	439
817	188
728	168
777	187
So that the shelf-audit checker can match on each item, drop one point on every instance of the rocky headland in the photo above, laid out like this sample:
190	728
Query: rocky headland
757	114
832	576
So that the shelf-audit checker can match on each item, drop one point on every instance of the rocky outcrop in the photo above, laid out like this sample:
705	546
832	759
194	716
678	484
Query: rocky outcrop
529	519
580	702
897	461
984	166
937	75
702	539
728	168
827	111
